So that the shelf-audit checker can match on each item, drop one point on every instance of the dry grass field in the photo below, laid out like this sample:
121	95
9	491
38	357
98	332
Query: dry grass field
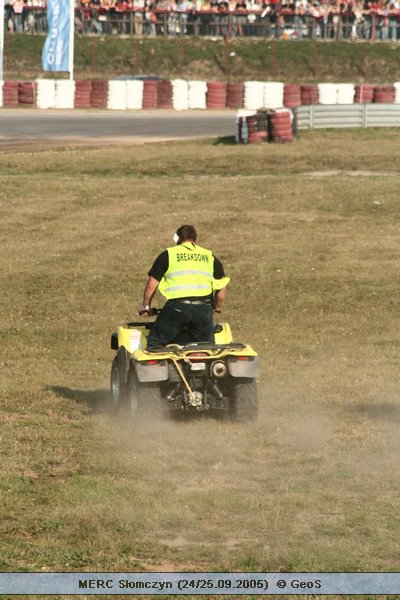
309	233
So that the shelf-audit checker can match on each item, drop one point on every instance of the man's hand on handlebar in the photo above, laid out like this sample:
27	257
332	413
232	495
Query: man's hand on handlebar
144	311
147	311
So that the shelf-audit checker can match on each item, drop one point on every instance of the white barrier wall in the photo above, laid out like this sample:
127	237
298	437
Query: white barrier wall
64	96
116	98
197	95
180	94
273	94
134	94
46	93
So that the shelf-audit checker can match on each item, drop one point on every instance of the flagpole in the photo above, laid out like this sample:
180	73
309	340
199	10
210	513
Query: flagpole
1	37
71	38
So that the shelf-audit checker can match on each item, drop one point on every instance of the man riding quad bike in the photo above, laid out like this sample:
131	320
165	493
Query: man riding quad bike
182	361
184	377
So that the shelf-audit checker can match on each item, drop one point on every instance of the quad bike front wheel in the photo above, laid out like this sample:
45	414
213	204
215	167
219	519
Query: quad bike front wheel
244	401
145	399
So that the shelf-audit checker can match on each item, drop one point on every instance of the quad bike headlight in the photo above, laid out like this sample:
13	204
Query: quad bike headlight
218	369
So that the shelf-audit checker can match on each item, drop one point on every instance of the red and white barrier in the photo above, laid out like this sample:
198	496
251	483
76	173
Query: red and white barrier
180	94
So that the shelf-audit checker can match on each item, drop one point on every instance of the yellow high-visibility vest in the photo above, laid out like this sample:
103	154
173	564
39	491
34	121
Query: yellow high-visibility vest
190	272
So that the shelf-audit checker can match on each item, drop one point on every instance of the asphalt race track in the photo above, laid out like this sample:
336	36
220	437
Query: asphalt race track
26	125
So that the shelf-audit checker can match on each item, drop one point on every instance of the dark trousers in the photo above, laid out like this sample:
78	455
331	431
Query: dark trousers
195	320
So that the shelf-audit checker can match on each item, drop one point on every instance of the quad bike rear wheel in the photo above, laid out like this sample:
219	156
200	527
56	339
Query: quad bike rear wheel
244	401
145	399
117	388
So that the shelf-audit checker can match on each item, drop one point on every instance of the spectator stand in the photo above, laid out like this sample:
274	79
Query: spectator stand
287	20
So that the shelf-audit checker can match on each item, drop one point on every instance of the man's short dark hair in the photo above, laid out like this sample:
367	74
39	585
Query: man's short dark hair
186	233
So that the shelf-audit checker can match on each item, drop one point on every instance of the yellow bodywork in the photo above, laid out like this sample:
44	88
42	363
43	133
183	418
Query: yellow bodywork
135	342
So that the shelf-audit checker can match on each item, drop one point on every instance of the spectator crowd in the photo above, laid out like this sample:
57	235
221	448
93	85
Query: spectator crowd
280	19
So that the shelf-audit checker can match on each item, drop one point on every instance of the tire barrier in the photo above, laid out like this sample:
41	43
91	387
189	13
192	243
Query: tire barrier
309	94
116	96
263	126
98	94
241	125
27	93
257	128
273	94
396	92
364	93
197	95
234	95
10	94
216	95
384	94
150	94
83	90
46	93
180	94
345	93
164	94
336	93
134	94
327	93
253	96
280	126
291	95
64	94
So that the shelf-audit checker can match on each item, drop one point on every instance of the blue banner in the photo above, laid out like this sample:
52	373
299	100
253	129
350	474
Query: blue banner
56	51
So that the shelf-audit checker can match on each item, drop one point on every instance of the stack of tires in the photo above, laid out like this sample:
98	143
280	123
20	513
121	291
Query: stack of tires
384	94
327	93
291	95
27	93
216	95
134	94
164	94
197	94
309	93
99	94
364	93
234	95
345	93
10	94
241	125
253	95
273	94
46	93
83	90
116	97
180	94
280	126
150	93
257	128
397	92
64	94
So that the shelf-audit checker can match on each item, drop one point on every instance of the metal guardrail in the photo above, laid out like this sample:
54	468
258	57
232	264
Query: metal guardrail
318	116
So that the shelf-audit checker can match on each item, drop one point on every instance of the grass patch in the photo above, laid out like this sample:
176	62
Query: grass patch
208	58
313	260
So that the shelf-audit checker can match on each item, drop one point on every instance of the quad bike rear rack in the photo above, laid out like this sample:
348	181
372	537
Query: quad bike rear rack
177	349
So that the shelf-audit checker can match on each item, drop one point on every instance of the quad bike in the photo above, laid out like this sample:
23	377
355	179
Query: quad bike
184	376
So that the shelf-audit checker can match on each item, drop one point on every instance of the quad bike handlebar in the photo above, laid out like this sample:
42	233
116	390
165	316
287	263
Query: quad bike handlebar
152	312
